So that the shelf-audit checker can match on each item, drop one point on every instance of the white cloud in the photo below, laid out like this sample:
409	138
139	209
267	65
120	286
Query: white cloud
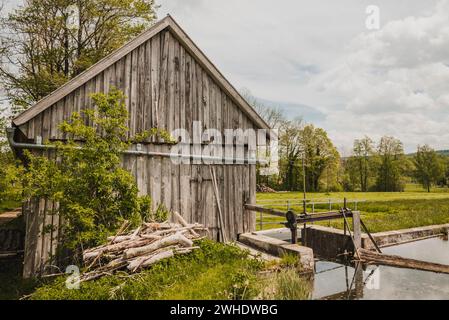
394	81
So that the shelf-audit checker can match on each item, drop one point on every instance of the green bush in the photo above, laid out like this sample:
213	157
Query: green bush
96	195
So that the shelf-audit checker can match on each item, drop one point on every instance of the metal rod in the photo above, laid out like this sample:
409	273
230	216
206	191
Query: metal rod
304	175
20	145
370	236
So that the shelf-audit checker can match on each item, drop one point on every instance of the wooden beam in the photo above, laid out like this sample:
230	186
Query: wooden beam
372	257
301	219
265	210
321	217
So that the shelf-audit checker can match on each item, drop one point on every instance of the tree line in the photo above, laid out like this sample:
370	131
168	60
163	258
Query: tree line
385	167
308	159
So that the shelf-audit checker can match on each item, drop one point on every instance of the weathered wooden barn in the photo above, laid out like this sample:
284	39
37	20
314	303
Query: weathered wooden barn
169	83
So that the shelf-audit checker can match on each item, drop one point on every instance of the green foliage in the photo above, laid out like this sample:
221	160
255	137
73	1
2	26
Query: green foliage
12	285
298	141
291	286
48	42
384	168
10	170
216	271
10	178
321	158
95	194
392	165
429	167
290	260
363	162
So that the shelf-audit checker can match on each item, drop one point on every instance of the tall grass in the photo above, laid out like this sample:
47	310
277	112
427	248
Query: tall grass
216	271
286	284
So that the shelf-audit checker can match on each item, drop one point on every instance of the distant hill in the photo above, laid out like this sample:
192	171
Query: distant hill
444	153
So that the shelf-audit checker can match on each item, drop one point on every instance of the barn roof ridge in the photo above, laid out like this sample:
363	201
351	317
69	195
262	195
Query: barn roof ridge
91	72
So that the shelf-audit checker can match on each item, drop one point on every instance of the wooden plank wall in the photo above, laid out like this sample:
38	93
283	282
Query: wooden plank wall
189	191
165	87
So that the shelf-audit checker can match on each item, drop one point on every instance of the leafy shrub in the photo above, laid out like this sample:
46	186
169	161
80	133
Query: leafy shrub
10	181
96	195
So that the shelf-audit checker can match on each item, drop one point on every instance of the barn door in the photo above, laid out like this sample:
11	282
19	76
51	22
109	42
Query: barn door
204	205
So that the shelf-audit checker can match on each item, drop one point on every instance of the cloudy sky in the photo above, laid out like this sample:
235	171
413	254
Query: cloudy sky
318	59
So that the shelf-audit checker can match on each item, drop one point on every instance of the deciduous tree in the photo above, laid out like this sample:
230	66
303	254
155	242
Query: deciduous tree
429	168
44	43
392	165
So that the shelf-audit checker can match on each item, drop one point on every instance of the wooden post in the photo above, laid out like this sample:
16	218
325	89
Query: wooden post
359	283
357	229
295	235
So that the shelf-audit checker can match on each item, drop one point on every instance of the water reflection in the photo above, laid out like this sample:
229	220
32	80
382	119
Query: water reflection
337	280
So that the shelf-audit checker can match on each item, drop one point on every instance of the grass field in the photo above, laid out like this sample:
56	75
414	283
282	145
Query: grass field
380	211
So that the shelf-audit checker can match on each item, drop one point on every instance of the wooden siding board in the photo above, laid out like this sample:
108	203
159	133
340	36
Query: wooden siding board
188	97
148	90
133	94
127	78
163	81
182	124
155	76
166	187
140	112
155	170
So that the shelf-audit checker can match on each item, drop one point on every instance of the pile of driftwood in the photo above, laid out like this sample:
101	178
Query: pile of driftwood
141	248
264	189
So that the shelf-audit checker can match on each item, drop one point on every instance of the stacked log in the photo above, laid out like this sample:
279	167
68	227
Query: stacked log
141	248
264	189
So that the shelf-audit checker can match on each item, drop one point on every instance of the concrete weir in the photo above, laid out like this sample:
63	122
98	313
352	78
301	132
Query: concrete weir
278	248
330	242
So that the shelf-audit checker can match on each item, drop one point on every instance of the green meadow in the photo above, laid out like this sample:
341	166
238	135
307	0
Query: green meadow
381	211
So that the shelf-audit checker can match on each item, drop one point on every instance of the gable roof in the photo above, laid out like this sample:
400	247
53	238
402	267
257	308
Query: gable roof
166	23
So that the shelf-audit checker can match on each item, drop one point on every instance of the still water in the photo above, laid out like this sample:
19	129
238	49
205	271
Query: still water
337	281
